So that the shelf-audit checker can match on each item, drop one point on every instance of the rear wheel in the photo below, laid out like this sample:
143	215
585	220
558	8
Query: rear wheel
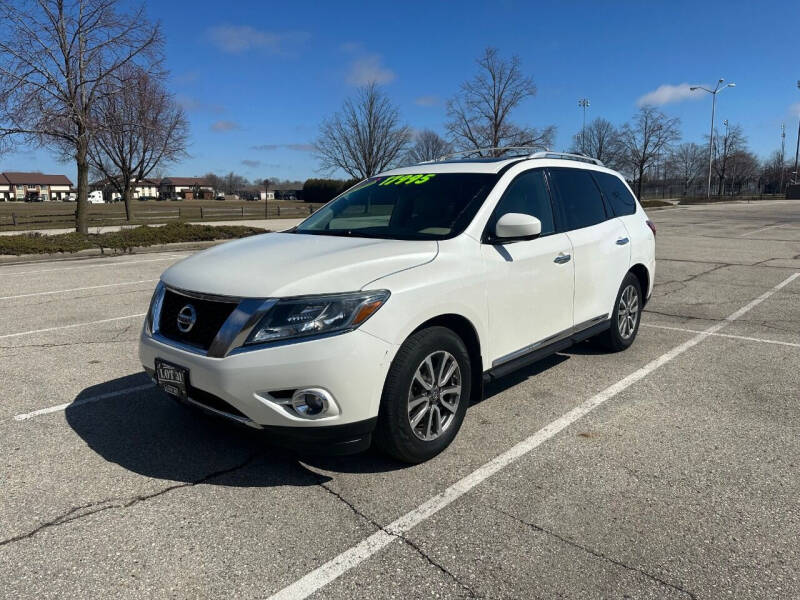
625	317
425	396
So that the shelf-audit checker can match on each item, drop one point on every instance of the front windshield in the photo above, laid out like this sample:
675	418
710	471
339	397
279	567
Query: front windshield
419	206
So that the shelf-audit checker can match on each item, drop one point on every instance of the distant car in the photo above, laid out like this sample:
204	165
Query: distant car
34	199
95	197
220	197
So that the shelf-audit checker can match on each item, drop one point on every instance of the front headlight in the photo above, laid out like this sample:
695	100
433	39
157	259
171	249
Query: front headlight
316	315
153	313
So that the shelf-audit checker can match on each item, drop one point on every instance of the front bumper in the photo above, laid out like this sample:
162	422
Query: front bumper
351	367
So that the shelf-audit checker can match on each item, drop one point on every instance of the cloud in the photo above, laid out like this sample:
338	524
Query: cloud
427	100
666	94
191	104
298	147
369	69
224	126
251	163
235	39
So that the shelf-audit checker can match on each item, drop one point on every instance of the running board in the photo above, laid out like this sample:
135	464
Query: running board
544	351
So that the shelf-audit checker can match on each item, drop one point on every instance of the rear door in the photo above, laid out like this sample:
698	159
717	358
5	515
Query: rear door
529	282
600	243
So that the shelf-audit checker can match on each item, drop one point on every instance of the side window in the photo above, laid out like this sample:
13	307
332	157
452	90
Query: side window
616	193
528	195
579	197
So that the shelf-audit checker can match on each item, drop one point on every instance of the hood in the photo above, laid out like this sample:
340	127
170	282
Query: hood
287	264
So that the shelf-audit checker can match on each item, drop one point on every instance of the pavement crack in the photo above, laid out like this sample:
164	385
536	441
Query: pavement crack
595	553
113	503
472	593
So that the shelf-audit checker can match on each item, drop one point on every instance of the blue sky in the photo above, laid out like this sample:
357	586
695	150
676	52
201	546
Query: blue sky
256	78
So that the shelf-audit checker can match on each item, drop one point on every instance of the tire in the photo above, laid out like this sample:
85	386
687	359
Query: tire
405	396
623	332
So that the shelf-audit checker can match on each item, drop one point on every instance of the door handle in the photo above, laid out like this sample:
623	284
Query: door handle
562	258
622	241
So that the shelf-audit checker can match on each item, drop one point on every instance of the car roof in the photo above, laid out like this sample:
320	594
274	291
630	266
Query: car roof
494	165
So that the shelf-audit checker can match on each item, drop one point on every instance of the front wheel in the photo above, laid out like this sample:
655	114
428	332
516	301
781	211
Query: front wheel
626	316
425	396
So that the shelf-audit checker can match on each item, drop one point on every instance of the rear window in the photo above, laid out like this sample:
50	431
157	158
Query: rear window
579	197
616	194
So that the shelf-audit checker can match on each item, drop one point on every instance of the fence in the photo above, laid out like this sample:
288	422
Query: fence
36	217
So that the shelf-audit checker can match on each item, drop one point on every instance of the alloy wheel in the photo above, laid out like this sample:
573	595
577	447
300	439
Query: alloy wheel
434	395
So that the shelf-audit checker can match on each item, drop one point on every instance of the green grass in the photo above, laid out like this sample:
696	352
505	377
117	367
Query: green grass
121	241
48	215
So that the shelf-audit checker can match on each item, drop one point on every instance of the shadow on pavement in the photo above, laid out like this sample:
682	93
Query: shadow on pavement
148	433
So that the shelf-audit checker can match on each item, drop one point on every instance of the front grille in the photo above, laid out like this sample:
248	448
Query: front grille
211	314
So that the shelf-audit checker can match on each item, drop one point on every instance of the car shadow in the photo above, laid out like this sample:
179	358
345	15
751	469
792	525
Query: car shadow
148	433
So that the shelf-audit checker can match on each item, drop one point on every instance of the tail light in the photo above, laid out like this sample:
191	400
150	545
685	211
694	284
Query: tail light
652	227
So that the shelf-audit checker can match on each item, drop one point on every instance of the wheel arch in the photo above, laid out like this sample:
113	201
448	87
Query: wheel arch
464	328
643	275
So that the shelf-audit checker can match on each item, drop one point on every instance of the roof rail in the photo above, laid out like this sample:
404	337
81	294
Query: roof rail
568	156
520	151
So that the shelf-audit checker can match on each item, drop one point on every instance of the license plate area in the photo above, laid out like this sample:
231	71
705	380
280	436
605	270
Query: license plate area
173	379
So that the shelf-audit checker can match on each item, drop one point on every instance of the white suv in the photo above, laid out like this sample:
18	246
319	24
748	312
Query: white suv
379	317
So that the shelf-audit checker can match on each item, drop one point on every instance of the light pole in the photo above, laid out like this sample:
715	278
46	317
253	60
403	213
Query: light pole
797	149
713	93
584	104
783	156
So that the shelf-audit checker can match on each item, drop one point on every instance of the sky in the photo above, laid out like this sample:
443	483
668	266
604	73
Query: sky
257	78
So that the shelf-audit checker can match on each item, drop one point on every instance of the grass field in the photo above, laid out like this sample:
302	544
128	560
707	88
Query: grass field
46	215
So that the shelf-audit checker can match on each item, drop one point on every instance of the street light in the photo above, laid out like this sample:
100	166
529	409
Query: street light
713	93
583	103
797	149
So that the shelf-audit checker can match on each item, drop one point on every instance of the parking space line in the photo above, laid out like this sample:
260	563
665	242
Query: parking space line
725	335
47	329
762	229
121	263
352	557
80	289
80	401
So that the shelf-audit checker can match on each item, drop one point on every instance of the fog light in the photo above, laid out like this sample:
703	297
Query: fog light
311	403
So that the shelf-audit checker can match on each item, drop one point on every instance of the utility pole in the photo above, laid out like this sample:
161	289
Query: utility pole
583	103
713	93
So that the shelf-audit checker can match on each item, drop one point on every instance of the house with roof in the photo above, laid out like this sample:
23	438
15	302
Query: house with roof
17	186
171	188
142	188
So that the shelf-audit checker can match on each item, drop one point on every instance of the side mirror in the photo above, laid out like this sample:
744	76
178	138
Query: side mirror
512	227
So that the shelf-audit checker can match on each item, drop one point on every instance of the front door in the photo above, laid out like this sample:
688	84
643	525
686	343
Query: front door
530	283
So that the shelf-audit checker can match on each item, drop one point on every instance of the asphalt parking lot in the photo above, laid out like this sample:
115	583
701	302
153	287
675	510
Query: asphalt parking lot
668	471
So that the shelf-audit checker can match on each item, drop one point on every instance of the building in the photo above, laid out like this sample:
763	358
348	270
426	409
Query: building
19	187
185	187
143	188
286	191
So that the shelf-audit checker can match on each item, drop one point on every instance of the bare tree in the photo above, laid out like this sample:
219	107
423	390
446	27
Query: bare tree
480	114
140	128
725	146
600	140
428	145
744	169
364	137
687	163
649	134
56	58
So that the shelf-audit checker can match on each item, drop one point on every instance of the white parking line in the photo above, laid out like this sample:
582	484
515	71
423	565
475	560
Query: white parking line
725	335
762	229
80	289
31	332
121	263
80	401
337	566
